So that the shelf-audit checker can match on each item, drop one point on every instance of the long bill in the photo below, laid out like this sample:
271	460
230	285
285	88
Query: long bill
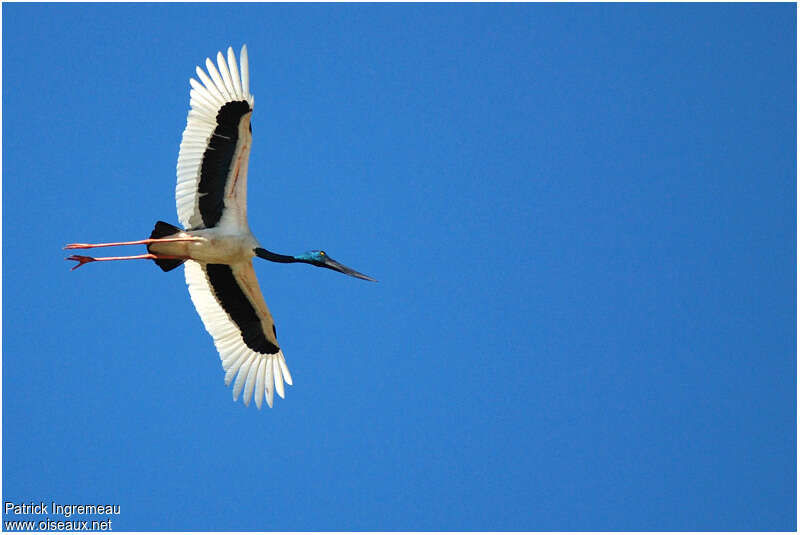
330	263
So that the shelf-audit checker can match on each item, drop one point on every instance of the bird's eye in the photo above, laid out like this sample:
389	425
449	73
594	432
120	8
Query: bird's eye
322	253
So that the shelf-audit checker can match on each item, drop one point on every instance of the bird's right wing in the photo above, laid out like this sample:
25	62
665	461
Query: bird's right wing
229	301
212	162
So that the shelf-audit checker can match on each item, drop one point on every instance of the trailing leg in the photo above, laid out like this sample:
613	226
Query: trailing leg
81	260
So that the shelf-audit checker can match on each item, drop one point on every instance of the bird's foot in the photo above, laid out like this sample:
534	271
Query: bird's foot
78	246
80	259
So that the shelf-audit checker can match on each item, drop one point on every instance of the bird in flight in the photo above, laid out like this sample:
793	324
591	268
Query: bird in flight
216	246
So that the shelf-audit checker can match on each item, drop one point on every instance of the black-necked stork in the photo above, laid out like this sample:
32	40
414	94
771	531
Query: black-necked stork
217	245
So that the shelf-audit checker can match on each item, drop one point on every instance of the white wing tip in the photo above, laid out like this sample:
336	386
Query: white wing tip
258	378
212	81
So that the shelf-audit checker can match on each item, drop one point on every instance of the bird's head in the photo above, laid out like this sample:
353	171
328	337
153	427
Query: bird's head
312	257
315	258
321	259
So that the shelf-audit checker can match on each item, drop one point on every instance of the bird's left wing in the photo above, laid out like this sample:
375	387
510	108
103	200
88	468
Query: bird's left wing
212	163
229	301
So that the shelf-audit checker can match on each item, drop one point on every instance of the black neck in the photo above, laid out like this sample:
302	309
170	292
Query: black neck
274	257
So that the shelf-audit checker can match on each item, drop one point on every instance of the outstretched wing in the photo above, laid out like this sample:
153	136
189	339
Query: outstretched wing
230	303
212	162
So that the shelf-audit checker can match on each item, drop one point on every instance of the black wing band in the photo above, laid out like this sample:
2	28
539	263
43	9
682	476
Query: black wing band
217	160
238	306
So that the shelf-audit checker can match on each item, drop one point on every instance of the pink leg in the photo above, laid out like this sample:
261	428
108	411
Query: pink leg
81	260
137	242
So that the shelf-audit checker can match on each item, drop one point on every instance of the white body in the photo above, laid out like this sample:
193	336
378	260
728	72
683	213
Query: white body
212	246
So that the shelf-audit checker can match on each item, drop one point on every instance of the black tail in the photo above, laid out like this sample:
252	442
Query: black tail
162	230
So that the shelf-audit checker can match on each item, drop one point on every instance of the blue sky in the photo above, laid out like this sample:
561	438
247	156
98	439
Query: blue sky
582	218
